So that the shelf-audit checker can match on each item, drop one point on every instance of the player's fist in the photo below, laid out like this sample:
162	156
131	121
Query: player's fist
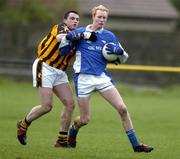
73	36
89	36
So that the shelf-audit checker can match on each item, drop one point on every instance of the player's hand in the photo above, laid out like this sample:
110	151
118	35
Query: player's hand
60	36
89	36
73	36
121	58
111	48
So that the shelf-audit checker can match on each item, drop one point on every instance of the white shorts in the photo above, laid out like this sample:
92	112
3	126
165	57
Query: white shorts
85	84
47	76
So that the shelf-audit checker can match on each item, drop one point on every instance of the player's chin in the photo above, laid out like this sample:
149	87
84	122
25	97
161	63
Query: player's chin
101	25
74	26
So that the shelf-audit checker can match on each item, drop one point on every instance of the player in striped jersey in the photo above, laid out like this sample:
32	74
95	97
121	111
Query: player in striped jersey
49	77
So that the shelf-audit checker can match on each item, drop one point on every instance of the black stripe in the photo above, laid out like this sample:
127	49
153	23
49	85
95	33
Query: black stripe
56	60
67	61
44	42
28	123
60	65
39	74
52	52
47	47
63	132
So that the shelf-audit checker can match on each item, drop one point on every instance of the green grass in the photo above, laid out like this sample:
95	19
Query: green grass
155	114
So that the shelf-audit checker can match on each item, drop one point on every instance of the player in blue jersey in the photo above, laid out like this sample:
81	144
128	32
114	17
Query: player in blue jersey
90	73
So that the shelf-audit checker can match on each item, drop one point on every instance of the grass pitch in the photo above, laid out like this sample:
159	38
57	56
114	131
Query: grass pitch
155	114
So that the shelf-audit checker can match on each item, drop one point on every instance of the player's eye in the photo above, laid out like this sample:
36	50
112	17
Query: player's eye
73	18
102	17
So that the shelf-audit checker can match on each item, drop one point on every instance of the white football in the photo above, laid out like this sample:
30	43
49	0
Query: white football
109	57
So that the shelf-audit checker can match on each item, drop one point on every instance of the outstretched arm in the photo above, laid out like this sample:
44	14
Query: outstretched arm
74	36
65	46
67	42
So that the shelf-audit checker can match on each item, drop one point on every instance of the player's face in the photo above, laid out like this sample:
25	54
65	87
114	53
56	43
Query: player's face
100	19
72	21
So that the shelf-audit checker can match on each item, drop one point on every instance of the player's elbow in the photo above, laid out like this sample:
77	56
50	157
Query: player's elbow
64	51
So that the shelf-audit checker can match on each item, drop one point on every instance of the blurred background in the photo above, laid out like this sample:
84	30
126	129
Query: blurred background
149	30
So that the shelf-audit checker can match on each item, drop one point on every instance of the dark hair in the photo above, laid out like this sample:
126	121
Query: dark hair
68	12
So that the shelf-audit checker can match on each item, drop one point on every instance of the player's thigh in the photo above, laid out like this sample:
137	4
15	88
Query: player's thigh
46	96
113	97
64	93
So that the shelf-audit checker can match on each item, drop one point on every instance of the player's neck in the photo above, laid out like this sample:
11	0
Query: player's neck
94	28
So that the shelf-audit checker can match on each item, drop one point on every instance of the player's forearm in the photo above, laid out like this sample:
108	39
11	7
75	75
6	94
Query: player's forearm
60	36
75	36
64	46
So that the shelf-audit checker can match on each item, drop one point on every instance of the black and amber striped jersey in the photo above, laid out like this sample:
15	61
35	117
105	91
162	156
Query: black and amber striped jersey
48	49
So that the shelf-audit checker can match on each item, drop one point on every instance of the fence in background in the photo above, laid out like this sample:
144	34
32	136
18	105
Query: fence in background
18	45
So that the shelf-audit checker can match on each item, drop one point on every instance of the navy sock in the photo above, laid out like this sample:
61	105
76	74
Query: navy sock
132	138
73	132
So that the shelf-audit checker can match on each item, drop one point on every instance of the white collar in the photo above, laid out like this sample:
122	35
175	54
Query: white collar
89	29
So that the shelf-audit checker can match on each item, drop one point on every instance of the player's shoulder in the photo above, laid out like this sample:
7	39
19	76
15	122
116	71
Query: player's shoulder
54	30
62	28
108	34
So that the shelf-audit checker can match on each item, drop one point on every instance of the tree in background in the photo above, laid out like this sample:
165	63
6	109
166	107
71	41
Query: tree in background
176	3
29	11
2	4
35	11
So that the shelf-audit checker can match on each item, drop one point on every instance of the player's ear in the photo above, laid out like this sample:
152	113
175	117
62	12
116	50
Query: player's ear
64	21
93	17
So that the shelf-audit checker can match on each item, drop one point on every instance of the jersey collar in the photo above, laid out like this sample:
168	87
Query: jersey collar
98	31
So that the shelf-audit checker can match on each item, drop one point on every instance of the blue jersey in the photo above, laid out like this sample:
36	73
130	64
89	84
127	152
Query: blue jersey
89	58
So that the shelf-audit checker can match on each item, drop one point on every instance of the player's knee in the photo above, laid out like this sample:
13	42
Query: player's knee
69	104
69	108
122	109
